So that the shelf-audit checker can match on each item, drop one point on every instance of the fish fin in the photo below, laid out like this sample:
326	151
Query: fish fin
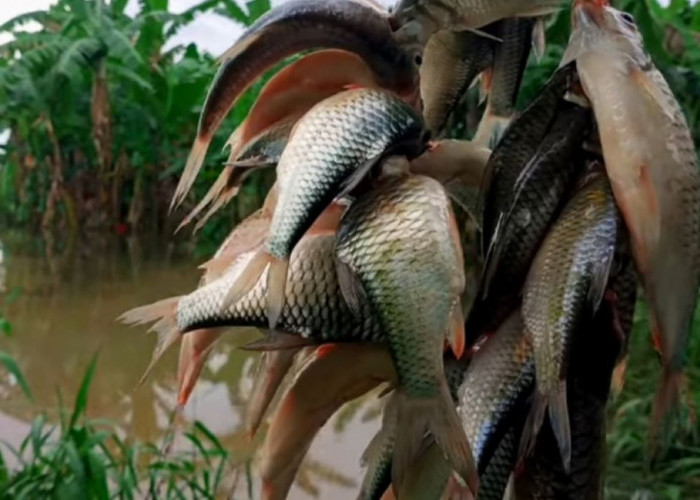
164	313
484	34
457	336
193	354
275	340
248	278
356	177
192	168
532	426
276	289
665	401
213	194
599	281
559	419
438	416
539	38
493	257
234	143
216	266
491	129
222	198
350	287
238	47
485	80
618	377
274	366
248	165
329	219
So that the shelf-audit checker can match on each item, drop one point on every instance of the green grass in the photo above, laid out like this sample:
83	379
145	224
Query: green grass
87	458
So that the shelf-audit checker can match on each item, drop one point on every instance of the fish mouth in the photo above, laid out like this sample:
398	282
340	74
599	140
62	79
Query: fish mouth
589	13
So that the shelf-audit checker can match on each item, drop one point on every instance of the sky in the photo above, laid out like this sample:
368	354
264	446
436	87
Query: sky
209	31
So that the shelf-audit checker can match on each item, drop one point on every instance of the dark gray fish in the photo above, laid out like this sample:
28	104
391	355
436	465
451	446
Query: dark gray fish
539	193
517	147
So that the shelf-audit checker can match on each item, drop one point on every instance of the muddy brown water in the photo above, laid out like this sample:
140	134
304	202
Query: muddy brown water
62	307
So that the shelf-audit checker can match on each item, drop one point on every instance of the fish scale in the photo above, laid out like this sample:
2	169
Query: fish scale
333	139
315	308
413	278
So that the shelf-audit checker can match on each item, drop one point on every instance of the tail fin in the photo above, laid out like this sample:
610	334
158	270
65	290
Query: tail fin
439	416
164	313
666	399
212	195
378	455
192	168
556	406
618	376
274	366
194	350
276	290
248	278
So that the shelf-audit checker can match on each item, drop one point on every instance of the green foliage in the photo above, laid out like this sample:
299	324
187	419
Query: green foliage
84	458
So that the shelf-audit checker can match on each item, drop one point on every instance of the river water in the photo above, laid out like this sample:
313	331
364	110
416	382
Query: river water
62	307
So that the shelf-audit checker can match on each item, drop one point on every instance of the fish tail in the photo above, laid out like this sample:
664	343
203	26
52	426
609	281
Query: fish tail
212	195
666	399
248	278
219	201
618	376
194	351
274	365
559	419
439	416
276	289
192	168
164	314
491	129
532	426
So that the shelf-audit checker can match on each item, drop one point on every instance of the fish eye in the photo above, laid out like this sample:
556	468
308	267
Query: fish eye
628	18
418	59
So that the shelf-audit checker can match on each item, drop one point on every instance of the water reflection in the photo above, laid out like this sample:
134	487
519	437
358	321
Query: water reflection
67	297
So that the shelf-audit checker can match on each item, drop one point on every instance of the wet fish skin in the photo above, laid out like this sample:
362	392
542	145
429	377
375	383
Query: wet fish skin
509	61
289	28
265	149
332	146
314	309
516	149
451	62
415	20
497	384
543	476
399	247
566	282
538	193
652	164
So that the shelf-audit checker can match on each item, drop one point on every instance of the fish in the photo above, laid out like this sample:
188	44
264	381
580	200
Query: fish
333	147
415	20
506	74
451	62
517	147
283	100
398	249
491	396
429	474
588	385
289	28
315	312
459	166
652	165
538	194
333	375
565	286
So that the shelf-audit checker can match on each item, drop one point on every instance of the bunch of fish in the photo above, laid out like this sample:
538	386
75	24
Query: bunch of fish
354	267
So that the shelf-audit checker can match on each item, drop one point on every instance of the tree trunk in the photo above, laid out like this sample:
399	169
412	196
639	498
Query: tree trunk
102	128
56	189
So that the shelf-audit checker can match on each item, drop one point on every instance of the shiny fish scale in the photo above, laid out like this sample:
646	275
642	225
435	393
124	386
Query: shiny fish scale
556	295
498	381
333	140
517	147
269	145
397	241
314	308
495	478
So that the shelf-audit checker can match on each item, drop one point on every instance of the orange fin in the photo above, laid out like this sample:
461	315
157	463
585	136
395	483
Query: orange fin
618	377
192	168
194	351
457	335
216	192
164	313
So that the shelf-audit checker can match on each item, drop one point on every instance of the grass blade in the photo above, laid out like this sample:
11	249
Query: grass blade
82	397
12	367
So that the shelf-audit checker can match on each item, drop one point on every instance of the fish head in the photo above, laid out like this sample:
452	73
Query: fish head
599	28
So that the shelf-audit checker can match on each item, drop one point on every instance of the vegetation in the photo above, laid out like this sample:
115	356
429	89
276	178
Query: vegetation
101	118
